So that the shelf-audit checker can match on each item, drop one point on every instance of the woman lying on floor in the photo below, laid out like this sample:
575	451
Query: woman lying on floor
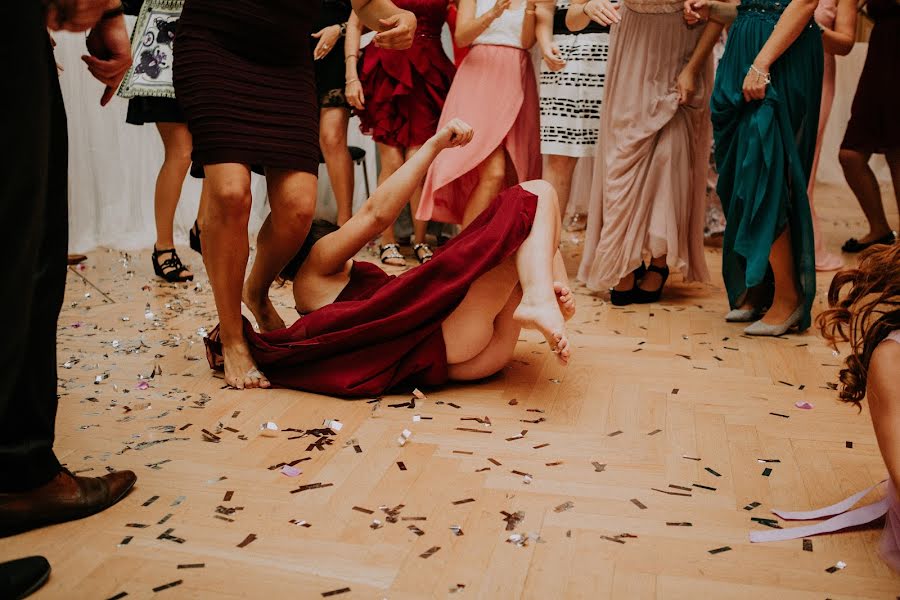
457	317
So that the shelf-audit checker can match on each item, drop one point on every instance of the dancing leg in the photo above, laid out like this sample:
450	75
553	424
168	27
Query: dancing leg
825	260
420	228
391	159
225	253
558	173
491	177
893	161
333	123
787	294
177	143
862	181
292	195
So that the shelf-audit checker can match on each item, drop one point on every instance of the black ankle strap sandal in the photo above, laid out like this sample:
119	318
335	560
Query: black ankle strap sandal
392	252
194	238
642	296
170	269
423	253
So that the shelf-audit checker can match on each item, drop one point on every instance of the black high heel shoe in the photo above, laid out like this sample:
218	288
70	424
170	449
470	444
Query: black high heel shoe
642	296
626	297
171	269
194	238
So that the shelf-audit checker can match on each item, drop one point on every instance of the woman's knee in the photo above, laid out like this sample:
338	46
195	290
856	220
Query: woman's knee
230	199
851	159
493	170
333	140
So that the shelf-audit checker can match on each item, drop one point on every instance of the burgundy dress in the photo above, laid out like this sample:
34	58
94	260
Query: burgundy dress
383	332
405	89
243	74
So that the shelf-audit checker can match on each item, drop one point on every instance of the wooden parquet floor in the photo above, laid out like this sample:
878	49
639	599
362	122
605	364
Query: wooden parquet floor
569	460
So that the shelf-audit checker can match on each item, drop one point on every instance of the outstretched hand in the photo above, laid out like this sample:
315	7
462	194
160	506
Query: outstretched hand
110	55
553	58
454	134
397	32
696	11
602	11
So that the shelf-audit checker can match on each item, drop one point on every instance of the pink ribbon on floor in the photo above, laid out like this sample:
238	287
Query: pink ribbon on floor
842	520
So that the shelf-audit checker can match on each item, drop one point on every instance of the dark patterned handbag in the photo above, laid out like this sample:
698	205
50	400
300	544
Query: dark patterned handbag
151	50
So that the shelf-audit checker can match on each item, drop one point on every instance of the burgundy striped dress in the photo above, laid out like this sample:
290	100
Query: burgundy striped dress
243	74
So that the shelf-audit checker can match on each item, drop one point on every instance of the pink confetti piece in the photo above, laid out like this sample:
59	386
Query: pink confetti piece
803	405
143	385
290	471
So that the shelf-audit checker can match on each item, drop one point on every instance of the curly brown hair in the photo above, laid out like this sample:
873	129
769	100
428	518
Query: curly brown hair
864	314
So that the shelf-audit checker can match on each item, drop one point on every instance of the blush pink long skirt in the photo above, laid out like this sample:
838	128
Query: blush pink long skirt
494	91
649	189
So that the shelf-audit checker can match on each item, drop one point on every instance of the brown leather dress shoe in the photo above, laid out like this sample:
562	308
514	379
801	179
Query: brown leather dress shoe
76	259
64	498
22	577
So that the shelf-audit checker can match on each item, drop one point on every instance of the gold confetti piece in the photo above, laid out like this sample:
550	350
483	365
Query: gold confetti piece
430	552
569	505
599	467
639	504
363	510
247	540
494	461
192	566
720	550
228	496
473	430
465	501
539	446
335	592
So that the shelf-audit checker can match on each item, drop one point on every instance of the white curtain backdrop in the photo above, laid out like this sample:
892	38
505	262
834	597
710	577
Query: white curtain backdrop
113	165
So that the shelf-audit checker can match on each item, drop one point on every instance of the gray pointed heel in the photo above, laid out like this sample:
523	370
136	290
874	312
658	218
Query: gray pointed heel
742	315
761	328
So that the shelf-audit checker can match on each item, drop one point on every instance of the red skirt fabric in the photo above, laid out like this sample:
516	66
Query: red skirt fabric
404	92
383	333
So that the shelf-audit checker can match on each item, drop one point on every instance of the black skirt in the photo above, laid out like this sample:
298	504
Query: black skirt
146	109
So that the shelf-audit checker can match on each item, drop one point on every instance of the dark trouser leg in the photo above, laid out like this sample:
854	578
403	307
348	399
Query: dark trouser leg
33	206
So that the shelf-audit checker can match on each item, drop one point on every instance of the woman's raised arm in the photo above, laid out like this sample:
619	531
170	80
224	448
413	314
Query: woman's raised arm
331	253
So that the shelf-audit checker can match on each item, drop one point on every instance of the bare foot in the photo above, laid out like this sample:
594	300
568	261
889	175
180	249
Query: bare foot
546	318
267	318
566	300
240	370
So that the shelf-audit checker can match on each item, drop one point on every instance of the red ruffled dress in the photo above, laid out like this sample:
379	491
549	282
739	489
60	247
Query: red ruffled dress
405	89
383	332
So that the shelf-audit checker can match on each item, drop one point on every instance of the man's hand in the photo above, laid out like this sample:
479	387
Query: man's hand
397	32
75	15
110	55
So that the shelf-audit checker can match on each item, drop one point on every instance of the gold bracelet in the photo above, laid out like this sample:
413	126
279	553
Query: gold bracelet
349	81
349	56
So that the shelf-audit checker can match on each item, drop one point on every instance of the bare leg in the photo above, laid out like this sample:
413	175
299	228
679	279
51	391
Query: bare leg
825	260
469	328
862	181
559	174
333	141
177	143
491	176
391	159
893	160
420	228
787	294
292	195
226	249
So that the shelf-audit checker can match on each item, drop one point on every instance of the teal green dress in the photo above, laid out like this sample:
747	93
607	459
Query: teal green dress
764	151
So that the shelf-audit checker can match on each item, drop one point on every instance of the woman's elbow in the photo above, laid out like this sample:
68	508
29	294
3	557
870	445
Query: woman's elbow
461	40
843	47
